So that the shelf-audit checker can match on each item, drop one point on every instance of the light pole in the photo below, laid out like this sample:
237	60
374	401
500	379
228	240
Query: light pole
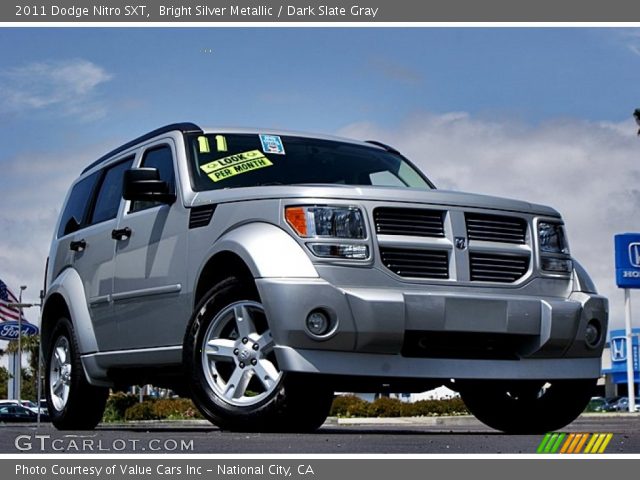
19	378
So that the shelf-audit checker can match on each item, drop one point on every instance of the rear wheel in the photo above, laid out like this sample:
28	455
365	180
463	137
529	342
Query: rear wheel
527	406
234	375
73	403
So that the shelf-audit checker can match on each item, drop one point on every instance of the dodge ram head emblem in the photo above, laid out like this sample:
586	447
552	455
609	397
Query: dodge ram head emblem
461	243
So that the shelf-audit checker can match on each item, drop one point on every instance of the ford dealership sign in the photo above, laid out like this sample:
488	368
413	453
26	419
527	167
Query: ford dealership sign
9	330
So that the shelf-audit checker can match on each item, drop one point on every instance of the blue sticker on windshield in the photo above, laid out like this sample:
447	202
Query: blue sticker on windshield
272	144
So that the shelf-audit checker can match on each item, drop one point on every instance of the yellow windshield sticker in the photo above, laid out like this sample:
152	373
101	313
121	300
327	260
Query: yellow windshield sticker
221	143
203	145
235	164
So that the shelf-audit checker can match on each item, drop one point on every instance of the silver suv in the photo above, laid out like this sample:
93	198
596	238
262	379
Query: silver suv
258	272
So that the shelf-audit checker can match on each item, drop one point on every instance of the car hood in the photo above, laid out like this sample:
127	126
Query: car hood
368	193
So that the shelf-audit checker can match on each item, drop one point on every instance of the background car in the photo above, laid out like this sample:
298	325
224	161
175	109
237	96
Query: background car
598	404
18	413
622	405
33	406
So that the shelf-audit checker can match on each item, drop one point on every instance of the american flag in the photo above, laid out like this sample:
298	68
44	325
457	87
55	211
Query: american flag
8	313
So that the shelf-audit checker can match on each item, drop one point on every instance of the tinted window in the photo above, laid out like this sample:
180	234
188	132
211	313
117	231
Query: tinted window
110	194
162	159
74	212
246	160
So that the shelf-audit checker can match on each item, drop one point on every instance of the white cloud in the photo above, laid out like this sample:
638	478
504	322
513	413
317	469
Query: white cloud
588	171
67	86
628	38
33	186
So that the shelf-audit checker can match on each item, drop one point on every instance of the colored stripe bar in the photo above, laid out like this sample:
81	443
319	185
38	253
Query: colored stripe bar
543	443
583	440
591	443
567	444
607	439
576	441
550	443
556	446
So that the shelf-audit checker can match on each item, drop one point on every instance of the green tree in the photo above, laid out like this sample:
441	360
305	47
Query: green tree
30	346
4	382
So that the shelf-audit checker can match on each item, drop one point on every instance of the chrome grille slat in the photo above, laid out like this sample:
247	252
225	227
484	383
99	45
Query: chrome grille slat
416	263
495	267
496	228
409	221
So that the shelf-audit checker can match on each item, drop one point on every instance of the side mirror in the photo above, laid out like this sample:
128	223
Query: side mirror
144	184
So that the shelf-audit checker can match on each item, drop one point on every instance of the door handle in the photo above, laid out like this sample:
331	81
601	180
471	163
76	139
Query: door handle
121	233
78	245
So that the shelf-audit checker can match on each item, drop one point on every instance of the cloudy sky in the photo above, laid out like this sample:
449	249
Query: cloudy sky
538	114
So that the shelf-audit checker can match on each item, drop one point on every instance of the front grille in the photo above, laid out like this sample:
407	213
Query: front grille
496	228
416	263
465	345
493	267
409	221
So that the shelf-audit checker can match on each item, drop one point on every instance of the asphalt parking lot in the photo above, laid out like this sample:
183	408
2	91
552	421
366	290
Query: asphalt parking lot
344	436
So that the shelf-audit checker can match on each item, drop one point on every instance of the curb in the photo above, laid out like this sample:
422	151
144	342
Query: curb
466	420
342	421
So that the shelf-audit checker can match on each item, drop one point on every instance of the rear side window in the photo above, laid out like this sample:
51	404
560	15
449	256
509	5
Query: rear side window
110	194
162	159
74	212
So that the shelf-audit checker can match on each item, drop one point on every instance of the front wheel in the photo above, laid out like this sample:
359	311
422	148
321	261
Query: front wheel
72	402
527	407
234	375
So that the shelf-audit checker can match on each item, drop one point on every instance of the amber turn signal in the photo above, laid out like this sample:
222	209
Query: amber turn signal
296	217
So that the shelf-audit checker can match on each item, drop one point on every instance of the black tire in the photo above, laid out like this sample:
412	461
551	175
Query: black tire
263	402
527	407
82	407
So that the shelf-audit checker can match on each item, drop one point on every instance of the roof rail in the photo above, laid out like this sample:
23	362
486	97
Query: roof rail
383	145
183	127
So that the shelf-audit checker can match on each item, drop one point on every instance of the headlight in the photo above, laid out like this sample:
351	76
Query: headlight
552	243
551	238
344	225
327	222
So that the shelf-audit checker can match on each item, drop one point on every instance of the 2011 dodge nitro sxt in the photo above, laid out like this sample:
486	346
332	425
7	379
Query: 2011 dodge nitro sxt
258	272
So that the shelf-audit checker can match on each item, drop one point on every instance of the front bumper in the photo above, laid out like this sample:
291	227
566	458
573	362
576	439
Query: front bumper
415	333
398	367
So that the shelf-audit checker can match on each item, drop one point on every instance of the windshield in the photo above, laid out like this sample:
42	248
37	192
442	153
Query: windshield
248	160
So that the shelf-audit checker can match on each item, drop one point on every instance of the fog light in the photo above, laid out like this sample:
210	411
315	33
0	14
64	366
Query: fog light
592	333
318	323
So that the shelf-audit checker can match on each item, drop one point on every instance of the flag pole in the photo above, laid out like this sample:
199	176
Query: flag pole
39	389
19	381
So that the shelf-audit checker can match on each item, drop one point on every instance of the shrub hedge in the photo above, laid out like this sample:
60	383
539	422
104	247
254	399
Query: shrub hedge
352	406
117	405
122	406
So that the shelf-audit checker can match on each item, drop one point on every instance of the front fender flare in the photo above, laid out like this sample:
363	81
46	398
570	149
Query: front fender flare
267	250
